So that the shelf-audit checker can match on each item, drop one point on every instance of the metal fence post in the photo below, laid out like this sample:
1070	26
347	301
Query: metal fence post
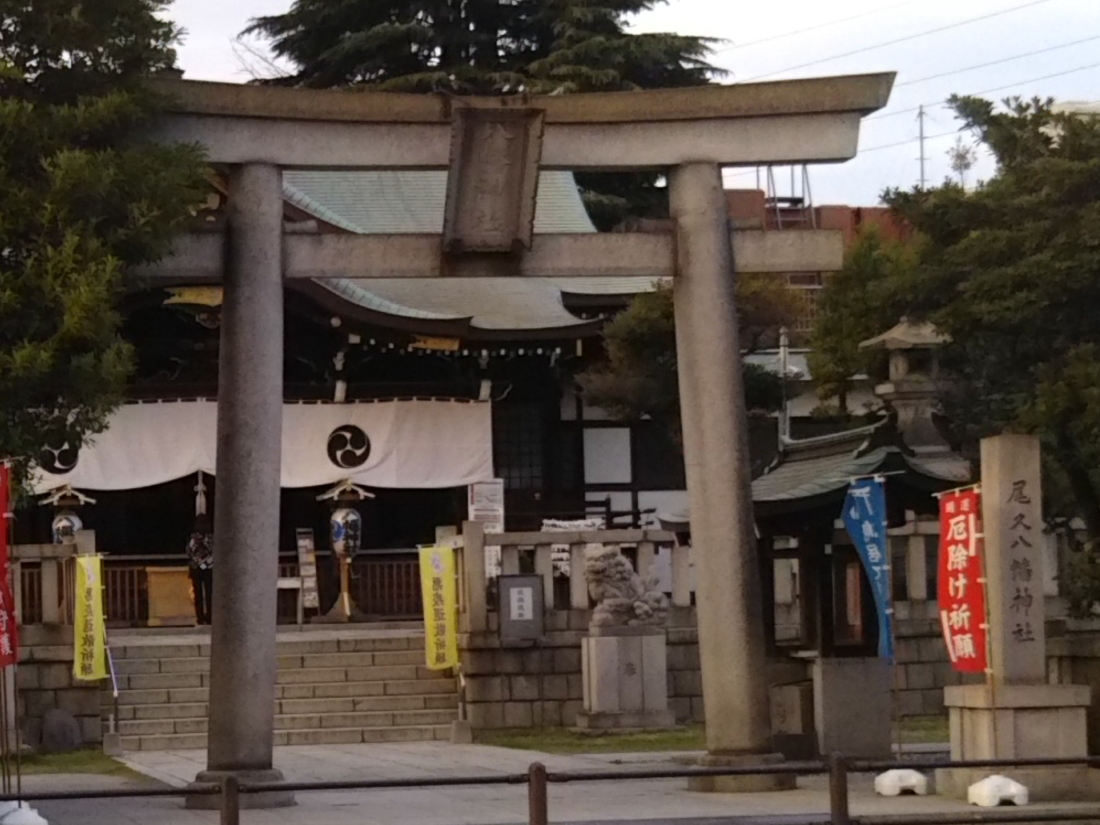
230	801
537	802
838	790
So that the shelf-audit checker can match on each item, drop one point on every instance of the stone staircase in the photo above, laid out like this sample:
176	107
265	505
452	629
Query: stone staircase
334	687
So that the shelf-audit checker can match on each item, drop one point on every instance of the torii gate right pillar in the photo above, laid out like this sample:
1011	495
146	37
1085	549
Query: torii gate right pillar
716	449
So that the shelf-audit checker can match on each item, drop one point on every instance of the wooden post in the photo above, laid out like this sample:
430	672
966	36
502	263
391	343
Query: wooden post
230	801
538	804
681	575
578	581
475	608
544	566
509	560
647	557
51	591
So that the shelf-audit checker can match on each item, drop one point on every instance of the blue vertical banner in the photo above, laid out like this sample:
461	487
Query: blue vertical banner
865	518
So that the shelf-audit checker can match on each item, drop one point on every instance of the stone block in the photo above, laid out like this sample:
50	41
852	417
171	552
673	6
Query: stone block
910	703
681	706
518	715
479	662
920	676
676	657
576	685
698	711
853	707
486	689
79	701
932	649
687	683
486	716
557	620
55	676
524	688
537	715
40	702
579	619
570	710
908	650
510	661
932	701
567	660
551	714
555	687
91	728
26	677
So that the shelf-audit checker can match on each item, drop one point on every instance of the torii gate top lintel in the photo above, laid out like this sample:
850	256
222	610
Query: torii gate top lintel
791	121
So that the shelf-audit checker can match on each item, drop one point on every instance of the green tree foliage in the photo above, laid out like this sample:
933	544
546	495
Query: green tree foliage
78	205
856	304
1011	271
492	47
638	378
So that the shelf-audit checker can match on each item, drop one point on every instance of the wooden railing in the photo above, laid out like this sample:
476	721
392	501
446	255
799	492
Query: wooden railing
388	587
384	587
534	551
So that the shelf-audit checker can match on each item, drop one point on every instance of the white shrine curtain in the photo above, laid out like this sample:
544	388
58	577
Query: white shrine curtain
390	444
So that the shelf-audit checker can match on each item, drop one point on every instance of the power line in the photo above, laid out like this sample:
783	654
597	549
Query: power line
997	62
986	91
907	142
808	29
900	40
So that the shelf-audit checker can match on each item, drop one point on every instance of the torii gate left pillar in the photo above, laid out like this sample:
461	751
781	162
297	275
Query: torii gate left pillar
243	659
494	148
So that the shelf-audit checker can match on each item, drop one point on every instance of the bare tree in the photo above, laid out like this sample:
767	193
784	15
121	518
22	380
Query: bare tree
962	156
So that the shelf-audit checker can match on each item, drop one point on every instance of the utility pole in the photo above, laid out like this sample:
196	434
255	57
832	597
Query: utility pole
920	120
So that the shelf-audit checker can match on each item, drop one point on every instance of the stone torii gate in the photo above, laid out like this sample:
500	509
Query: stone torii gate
494	148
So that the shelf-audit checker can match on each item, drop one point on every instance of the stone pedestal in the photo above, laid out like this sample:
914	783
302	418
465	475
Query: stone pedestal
1024	722
852	707
625	673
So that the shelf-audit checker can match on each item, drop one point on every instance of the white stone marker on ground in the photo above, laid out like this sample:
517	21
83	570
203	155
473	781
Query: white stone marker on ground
899	781
996	790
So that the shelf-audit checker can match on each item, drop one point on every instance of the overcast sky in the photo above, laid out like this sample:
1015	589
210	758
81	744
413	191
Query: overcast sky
1031	40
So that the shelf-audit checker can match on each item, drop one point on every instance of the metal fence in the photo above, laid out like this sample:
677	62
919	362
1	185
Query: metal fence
537	780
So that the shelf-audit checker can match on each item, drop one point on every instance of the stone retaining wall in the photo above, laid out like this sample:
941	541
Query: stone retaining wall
45	681
540	686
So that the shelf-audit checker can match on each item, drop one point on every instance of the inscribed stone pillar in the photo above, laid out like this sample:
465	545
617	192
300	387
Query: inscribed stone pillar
246	527
729	604
1020	716
1012	520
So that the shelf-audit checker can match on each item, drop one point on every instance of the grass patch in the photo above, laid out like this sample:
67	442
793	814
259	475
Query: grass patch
560	740
77	762
925	729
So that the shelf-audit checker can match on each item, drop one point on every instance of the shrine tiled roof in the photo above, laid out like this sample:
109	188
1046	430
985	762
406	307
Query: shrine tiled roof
412	202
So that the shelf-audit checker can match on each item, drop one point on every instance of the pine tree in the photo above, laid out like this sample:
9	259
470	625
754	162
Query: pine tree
493	47
79	204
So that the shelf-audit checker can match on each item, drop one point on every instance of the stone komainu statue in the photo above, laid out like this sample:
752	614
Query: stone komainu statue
623	598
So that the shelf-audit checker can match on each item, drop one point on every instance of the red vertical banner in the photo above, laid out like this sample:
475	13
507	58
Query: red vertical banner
961	581
9	633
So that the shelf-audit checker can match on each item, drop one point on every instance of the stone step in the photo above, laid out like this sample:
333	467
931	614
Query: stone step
328	675
410	687
331	736
368	704
288	663
298	722
128	650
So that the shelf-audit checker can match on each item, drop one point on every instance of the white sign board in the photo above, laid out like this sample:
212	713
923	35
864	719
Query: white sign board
307	569
485	501
521	604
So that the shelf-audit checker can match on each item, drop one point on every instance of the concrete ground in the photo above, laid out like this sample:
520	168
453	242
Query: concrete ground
588	802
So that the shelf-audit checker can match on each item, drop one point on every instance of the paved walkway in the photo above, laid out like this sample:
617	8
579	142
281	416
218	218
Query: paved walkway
620	801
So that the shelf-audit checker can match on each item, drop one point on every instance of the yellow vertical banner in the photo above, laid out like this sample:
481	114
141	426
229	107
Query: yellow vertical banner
439	588
89	629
